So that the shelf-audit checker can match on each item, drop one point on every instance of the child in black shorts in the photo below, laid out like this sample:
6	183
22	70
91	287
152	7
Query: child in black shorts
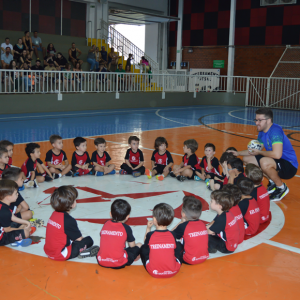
8	235
63	238
161	254
114	235
190	162
161	160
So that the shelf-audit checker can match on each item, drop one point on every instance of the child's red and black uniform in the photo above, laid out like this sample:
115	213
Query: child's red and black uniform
6	166
215	171
61	235
10	161
194	237
261	195
251	214
161	161
192	161
14	205
81	160
227	233
135	158
54	159
5	221
161	254
100	160
221	180
112	252
28	166
236	211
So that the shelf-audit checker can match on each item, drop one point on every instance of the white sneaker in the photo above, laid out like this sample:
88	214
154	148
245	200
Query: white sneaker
29	184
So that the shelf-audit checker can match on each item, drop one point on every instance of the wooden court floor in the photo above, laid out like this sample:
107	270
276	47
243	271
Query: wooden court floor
262	272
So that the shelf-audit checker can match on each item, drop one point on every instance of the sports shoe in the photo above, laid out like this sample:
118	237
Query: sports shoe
197	178
278	194
75	174
98	173
89	252
211	250
33	230
22	188
29	184
207	181
55	176
123	172
70	173
148	173
36	222
22	243
271	187
35	185
112	172
160	177
172	174
181	178
136	174
48	178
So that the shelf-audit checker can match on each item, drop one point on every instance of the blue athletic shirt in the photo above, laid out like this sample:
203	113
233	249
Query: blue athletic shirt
275	135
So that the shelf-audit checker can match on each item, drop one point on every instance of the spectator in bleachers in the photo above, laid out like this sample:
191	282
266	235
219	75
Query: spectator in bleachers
14	77
48	59
103	55
128	78
37	44
128	62
68	76
120	77
18	50
103	84
26	76
73	57
6	58
28	43
60	62
78	76
50	78
51	49
112	60
5	45
91	59
39	78
24	58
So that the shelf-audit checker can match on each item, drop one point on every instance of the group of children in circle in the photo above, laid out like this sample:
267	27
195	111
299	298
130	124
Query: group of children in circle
238	197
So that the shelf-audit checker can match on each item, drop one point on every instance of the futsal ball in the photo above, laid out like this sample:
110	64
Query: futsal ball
254	144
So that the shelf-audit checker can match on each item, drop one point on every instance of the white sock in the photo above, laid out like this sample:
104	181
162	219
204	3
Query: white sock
281	187
59	175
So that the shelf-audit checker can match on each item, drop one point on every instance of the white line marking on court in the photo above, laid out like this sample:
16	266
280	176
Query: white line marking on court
157	113
282	246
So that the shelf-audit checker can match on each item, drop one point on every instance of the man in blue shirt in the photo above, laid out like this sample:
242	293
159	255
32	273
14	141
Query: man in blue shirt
278	161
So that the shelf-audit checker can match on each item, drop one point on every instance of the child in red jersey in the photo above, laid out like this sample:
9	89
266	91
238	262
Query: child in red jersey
56	158
190	162
134	159
192	232
223	230
235	210
81	163
161	160
161	254
63	238
113	237
33	167
3	160
259	193
248	206
101	159
209	164
8	235
9	146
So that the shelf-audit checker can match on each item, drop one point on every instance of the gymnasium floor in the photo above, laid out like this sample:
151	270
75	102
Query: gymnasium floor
266	266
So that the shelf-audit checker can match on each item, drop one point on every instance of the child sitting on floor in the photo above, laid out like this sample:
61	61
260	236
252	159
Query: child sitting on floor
9	146
3	160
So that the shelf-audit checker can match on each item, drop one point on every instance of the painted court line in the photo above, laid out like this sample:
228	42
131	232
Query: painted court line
282	246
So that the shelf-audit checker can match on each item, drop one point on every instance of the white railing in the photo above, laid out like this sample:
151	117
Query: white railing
259	91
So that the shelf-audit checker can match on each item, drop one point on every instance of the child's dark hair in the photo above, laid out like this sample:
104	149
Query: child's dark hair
30	147
163	213
210	145
236	163
78	140
6	143
133	138
254	173
11	174
99	141
226	156
120	209
192	207
234	191
223	198
54	137
159	141
7	188
63	198
2	151
191	144
246	185
230	149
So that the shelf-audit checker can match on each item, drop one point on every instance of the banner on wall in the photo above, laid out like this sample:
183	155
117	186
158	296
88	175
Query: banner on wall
204	80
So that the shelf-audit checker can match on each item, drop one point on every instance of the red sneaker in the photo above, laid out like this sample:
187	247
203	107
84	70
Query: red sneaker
33	230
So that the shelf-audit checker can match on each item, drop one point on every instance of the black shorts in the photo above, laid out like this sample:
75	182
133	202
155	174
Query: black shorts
215	242
75	169
284	168
12	237
194	174
160	169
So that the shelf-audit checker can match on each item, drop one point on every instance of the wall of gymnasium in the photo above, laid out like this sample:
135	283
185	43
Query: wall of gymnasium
261	34
45	16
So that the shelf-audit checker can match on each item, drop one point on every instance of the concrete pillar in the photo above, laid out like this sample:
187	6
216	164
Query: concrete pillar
231	47
179	35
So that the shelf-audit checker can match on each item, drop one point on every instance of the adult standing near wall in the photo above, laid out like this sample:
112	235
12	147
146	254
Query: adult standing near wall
28	43
278	161
37	45
73	57
91	59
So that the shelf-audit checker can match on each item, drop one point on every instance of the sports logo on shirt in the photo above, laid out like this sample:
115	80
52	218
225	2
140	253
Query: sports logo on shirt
80	162
133	158
160	161
56	162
